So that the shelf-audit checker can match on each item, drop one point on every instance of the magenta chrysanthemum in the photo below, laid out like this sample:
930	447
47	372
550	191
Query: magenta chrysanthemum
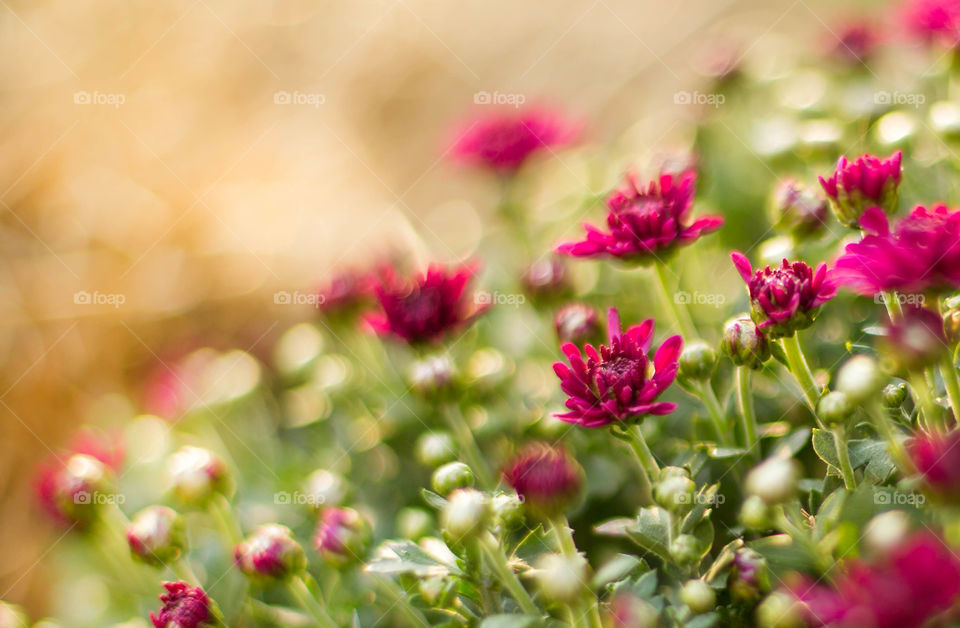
504	141
546	478
921	254
342	536
937	459
933	21
429	308
787	298
867	182
61	483
270	552
646	223
615	383
183	607
905	588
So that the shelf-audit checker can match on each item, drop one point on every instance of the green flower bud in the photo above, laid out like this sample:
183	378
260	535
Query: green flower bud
507	511
744	343
834	407
436	448
699	596
780	610
697	361
197	475
893	395
562	578
466	514
749	578
951	326
675	493
157	535
685	549
270	554
754	513
450	477
860	379
774	480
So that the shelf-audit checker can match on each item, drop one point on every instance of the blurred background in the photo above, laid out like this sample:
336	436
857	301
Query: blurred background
168	167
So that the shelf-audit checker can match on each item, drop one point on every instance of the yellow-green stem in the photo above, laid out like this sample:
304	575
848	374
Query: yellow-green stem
800	370
843	455
681	316
747	412
712	404
501	568
949	374
305	598
468	445
644	456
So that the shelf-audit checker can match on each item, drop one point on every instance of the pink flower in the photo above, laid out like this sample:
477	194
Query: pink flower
921	254
856	41
346	291
547	478
270	552
432	306
905	588
916	341
937	459
867	182
342	536
504	141
616	382
184	607
577	323
787	298
646	224
933	20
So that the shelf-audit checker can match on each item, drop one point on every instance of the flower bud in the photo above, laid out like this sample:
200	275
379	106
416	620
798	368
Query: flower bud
781	610
886	531
744	343
774	480
270	553
748	577
951	326
834	407
414	523
798	209
915	342
577	323
436	448
507	511
685	549
433	590
547	479
546	279
157	535
186	607
342	536
80	488
697	361
325	488
629	611
197	475
754	513
860	379
431	375
675	491
562	578
12	616
893	395
450	477
699	596
466	514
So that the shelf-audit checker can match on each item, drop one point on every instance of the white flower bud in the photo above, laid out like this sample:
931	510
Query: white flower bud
699	596
886	531
774	480
562	578
466	514
860	379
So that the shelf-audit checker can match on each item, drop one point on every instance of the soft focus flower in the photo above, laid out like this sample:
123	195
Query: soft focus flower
562	578
342	537
157	535
503	141
197	474
546	279
616	382
346	291
577	323
937	459
798	209
630	611
546	478
921	254
432	306
903	588
270	553
933	20
467	513
644	224
915	341
185	607
749	577
787	298
69	487
867	182
856	41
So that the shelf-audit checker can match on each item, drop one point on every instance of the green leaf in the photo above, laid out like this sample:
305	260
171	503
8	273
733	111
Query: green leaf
651	531
618	568
615	527
829	513
825	447
411	559
794	442
703	621
506	620
433	499
873	457
704	500
646	585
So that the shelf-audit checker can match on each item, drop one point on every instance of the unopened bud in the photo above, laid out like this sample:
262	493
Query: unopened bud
675	491
749	578
686	549
546	279
951	326
774	480
270	553
157	535
577	323
547	479
699	596
562	578
466	514
80	488
886	531
450	477
893	395
834	407
754	513
860	379
436	448
744	343
798	209
431	375
781	610
342	536
697	361
197	475
507	511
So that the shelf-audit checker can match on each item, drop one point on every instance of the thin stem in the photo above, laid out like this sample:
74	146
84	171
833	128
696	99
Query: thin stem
801	370
843	454
181	569
881	420
468	445
680	315
229	526
892	303
398	600
648	463
709	399
747	413
564	535
931	412
949	374
501	568
305	598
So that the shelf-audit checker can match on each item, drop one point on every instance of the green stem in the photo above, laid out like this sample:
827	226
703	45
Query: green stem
949	374
843	454
709	399
181	569
299	590
881	421
564	536
229	526
931	412
801	370
747	412
892	303
468	445
501	568
681	316
398	600
651	470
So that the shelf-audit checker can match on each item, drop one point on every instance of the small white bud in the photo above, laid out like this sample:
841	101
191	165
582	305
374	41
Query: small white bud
860	379
466	514
774	480
562	578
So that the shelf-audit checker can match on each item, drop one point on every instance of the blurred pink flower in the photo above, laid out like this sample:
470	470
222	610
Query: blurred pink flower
937	459
646	224
618	382
933	21
546	478
856	41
